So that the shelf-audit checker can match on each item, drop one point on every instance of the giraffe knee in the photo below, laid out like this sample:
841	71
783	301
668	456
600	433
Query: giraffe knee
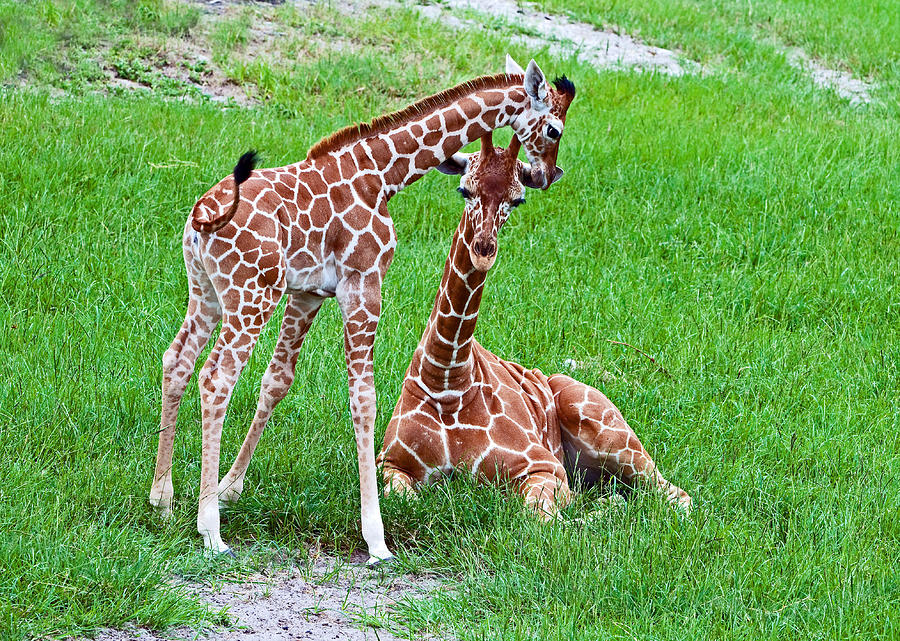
208	378
398	482
170	360
363	409
566	397
213	382
275	385
561	385
176	372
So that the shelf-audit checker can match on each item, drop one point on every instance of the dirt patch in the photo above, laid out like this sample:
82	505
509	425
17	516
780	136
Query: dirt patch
326	600
181	68
841	82
187	68
602	49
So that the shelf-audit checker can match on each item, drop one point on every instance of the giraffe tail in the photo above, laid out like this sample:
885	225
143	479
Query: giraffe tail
200	219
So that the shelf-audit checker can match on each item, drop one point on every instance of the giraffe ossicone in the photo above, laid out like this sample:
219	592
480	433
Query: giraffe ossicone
462	406
312	230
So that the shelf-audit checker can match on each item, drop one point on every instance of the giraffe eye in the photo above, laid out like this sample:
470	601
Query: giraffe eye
553	133
517	202
464	192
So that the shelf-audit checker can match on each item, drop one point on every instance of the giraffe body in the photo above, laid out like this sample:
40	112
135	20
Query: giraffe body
462	406
313	230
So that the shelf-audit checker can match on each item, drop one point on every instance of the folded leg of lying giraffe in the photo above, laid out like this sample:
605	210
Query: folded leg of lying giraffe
545	494
596	438
398	482
542	482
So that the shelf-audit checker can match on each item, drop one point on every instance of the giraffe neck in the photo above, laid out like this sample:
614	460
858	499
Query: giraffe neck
407	150
446	365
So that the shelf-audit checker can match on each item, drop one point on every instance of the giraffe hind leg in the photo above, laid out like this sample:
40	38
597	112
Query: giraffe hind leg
203	314
218	376
594	430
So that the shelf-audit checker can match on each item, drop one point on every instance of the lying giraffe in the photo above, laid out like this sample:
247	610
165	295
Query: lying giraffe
462	406
312	230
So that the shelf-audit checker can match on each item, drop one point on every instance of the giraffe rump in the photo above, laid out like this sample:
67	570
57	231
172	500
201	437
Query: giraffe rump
200	221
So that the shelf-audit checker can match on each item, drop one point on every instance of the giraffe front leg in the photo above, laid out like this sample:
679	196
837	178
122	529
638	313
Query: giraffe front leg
360	304
299	314
595	432
203	314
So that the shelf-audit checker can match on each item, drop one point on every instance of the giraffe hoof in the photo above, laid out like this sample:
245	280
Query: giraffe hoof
220	555
379	563
685	505
162	509
615	501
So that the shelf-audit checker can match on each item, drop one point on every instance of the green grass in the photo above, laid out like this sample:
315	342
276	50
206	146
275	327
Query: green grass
862	37
742	227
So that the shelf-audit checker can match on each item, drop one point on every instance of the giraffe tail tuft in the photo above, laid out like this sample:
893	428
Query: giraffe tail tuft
242	170
244	166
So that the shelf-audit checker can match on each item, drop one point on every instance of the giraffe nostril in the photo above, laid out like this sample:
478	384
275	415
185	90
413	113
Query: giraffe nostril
484	248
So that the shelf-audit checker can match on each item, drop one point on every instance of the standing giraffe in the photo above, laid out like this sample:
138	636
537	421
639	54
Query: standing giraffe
461	405
312	230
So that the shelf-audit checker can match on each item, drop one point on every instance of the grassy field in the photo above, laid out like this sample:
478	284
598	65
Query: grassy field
742	226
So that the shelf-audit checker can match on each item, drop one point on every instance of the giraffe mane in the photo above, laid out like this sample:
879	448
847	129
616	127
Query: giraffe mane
387	122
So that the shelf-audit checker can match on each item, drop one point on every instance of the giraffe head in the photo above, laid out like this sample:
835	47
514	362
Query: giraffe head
540	126
493	184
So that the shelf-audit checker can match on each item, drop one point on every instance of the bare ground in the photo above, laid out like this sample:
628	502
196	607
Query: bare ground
327	600
563	37
609	48
841	82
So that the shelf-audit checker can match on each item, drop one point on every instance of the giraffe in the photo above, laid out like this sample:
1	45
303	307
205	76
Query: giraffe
462	406
312	230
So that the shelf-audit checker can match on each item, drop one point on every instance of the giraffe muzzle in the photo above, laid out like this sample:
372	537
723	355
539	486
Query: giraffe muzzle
483	253
539	177
485	248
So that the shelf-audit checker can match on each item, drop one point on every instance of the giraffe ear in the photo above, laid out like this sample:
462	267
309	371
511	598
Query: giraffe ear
513	68
455	165
536	86
525	176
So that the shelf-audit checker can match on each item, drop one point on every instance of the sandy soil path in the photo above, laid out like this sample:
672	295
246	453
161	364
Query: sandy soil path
329	600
